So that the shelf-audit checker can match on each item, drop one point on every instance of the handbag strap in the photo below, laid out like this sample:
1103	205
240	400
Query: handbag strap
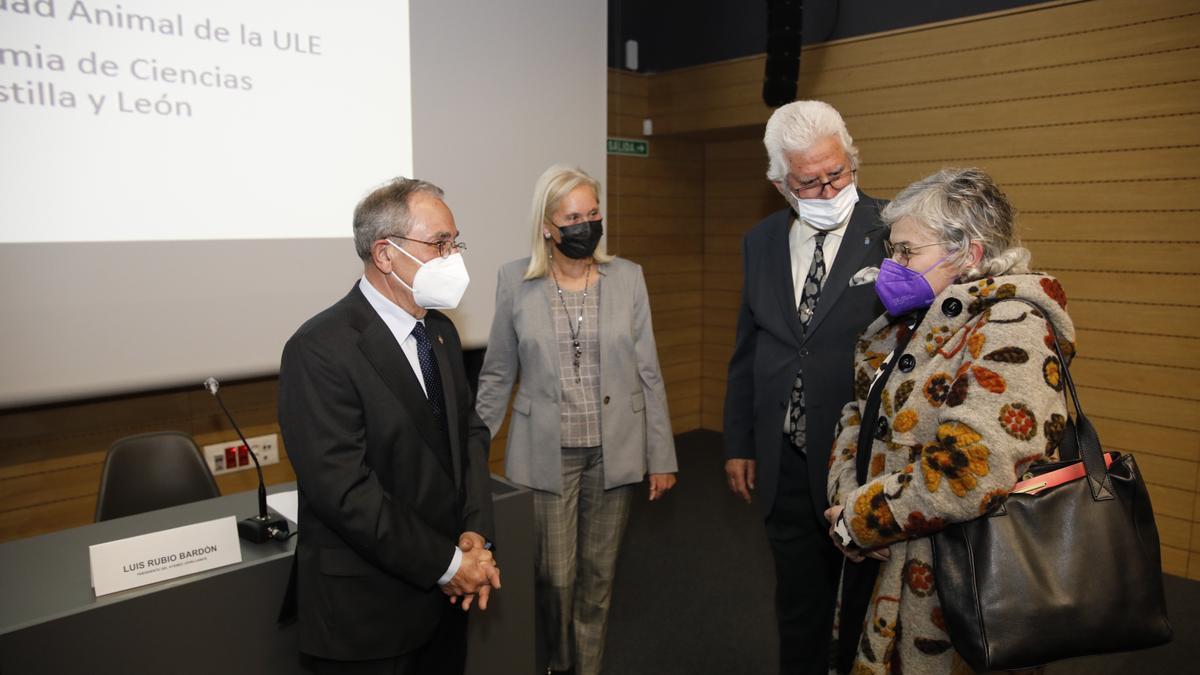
866	429
1087	440
870	412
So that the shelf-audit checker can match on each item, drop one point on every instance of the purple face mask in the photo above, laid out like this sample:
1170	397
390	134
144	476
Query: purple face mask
902	290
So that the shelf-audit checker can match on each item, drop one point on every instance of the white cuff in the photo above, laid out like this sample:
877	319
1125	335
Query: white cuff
455	563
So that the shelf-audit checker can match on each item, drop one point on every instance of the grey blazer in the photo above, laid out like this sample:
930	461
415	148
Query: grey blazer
635	426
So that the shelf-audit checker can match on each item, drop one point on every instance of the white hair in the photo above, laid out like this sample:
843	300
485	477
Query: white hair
961	206
796	127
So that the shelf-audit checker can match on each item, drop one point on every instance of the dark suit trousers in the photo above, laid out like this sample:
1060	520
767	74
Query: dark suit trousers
444	654
806	569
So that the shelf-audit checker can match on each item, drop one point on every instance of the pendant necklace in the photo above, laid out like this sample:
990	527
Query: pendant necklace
578	327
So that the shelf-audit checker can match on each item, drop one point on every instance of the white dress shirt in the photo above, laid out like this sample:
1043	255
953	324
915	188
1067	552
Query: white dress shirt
401	323
802	241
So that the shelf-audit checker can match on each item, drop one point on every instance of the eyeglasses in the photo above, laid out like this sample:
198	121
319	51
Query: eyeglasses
904	250
814	186
444	247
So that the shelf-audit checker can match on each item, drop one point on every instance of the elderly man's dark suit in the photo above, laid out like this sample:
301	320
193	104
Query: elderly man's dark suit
770	348
385	489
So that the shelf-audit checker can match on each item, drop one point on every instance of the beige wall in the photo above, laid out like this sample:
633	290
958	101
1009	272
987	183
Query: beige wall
1088	113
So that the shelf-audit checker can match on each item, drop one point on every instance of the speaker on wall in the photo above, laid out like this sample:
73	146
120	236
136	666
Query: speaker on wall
785	20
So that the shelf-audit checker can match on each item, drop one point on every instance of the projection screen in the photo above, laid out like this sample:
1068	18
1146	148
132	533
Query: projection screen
179	175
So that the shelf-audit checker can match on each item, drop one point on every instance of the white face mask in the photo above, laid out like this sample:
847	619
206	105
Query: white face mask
827	214
439	283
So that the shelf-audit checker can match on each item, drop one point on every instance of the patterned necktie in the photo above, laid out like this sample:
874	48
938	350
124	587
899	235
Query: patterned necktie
808	304
429	372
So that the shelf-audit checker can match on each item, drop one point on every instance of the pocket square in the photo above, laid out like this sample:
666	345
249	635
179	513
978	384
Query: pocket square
864	276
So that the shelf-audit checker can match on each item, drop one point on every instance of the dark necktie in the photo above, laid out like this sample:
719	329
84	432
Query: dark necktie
429	372
808	305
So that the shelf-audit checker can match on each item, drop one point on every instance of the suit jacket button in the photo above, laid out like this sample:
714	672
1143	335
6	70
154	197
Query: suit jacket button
907	363
952	307
605	400
804	351
881	428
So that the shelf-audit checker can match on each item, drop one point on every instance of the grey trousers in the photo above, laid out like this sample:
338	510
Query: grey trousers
578	536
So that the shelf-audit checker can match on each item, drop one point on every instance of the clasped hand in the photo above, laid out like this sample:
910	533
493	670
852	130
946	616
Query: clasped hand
853	554
477	576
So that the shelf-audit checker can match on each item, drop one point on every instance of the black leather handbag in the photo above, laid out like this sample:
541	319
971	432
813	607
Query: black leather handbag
1067	566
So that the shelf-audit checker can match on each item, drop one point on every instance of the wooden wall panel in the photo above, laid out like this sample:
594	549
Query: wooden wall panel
655	218
891	67
1087	114
51	457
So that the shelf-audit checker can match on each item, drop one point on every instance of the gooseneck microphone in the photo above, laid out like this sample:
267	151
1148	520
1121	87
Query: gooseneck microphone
267	524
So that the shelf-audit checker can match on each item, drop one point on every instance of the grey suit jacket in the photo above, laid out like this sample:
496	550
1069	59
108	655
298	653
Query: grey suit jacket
635	426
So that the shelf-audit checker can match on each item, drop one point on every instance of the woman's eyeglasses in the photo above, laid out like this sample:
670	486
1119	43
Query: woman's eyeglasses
904	250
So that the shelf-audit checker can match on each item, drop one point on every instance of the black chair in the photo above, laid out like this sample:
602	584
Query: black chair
152	471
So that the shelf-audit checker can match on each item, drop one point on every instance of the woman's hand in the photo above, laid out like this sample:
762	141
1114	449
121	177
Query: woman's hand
659	484
853	554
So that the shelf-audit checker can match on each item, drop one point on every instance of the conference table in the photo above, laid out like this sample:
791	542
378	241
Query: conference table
224	620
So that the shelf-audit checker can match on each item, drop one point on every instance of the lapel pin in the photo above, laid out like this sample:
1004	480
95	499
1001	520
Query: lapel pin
866	241
440	340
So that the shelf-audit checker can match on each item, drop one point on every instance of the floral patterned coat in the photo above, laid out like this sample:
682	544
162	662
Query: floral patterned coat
974	399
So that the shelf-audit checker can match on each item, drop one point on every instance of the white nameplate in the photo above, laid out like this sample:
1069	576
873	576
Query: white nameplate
286	504
149	558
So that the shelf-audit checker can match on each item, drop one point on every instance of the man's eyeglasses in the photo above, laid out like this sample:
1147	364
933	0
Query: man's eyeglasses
814	186
444	247
904	250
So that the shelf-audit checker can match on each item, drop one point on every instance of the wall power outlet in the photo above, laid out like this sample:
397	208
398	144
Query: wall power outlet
232	455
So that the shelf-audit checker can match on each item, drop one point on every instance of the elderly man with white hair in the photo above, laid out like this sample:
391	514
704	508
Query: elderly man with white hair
804	303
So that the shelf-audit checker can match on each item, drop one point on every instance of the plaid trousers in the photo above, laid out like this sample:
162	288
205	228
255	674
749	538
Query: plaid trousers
578	536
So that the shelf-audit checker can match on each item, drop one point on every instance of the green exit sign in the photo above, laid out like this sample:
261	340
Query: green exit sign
628	146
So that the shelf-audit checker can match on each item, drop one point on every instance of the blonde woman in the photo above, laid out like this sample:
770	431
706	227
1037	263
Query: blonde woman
590	417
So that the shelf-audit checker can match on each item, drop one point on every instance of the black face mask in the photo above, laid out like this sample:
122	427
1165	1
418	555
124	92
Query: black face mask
579	241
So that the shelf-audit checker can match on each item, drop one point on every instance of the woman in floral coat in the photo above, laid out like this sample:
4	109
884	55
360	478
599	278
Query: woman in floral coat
959	385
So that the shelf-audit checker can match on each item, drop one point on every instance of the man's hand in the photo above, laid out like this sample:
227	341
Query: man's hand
739	473
660	483
852	554
471	572
468	543
469	540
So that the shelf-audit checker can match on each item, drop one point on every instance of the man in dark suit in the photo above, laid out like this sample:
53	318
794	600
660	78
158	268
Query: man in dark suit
390	457
791	369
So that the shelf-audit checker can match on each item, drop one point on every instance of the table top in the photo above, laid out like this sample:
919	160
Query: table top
47	577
